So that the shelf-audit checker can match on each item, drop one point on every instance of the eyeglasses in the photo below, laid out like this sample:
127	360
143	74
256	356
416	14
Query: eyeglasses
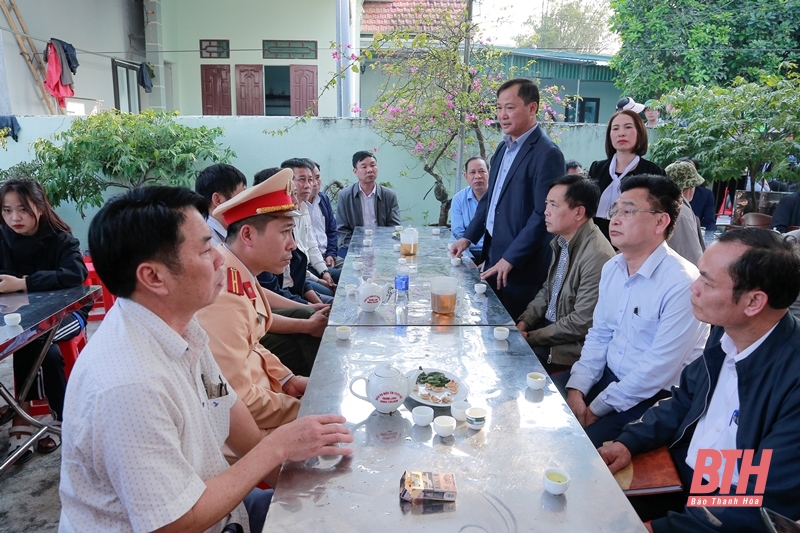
628	212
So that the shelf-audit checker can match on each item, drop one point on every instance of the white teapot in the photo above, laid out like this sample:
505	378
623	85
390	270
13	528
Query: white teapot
386	388
369	295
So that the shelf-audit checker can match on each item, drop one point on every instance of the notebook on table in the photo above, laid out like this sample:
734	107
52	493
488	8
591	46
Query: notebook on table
651	472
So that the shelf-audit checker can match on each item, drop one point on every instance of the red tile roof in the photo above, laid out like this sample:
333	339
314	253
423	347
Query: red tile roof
400	14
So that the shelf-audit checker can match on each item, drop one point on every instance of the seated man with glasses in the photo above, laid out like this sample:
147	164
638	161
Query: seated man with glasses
643	332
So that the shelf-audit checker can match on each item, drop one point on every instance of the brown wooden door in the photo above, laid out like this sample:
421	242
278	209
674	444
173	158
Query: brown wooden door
250	90
216	88
303	79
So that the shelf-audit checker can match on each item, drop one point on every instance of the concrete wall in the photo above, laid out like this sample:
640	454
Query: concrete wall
93	25
245	23
330	142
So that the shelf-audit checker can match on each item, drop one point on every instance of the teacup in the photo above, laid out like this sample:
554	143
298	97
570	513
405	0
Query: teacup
500	333
444	426
358	265
422	415
556	481
435	231
459	410
455	261
343	333
12	319
367	232
476	417
350	287
480	288
367	242
396	247
536	380
398	228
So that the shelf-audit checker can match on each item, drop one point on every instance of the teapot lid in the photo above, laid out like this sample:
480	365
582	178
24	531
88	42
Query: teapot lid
386	371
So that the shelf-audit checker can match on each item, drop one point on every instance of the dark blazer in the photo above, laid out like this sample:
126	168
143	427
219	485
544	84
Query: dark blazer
348	212
330	224
787	213
704	206
598	172
520	236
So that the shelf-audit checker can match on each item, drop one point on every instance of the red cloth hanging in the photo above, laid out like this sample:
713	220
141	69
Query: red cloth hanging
53	81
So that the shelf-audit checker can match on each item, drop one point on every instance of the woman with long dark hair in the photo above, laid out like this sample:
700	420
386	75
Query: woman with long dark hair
626	143
38	253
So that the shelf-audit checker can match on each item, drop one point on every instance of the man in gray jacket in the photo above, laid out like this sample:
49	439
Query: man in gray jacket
364	203
557	320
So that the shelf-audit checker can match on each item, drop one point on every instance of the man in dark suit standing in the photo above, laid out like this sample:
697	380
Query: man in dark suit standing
510	217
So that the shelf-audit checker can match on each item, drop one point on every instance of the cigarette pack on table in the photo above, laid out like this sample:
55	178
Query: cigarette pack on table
420	486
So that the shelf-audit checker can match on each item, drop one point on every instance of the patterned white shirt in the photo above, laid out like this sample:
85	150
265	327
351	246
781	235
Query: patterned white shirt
368	207
141	436
561	272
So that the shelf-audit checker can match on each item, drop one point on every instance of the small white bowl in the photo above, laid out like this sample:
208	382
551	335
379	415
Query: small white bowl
367	232
480	288
367	242
459	410
343	333
501	333
350	287
556	481
422	415
396	247
12	319
358	265
536	380
444	426
476	417
398	228
455	261
435	231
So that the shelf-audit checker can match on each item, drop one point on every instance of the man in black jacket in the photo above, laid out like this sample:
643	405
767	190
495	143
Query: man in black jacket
743	393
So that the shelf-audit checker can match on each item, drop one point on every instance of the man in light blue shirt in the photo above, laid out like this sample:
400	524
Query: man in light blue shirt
644	332
465	202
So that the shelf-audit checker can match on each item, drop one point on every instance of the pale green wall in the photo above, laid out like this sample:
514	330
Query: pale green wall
330	142
245	23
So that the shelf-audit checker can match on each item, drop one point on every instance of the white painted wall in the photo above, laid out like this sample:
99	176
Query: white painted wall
245	23
94	25
330	142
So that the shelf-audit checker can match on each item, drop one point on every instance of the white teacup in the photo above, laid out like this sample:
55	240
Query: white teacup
367	242
459	410
476	417
435	231
12	319
556	481
455	261
501	333
480	288
396	247
536	380
367	232
358	265
422	415
343	333
398	228
350	287
444	426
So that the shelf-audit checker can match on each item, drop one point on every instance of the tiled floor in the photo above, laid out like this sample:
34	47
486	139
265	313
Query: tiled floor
29	493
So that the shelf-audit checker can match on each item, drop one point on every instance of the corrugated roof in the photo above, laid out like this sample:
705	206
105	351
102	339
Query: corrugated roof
562	57
402	14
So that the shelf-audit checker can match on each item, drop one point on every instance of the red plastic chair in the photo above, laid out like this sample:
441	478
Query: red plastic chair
106	301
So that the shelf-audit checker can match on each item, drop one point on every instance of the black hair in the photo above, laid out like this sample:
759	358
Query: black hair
31	193
259	222
263	175
526	90
580	191
663	194
219	178
314	163
298	162
143	224
573	163
771	264
362	155
475	158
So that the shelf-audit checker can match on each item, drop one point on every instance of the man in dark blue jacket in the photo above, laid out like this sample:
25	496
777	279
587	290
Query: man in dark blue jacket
742	394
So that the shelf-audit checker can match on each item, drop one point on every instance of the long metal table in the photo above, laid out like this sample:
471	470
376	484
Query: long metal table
498	470
432	259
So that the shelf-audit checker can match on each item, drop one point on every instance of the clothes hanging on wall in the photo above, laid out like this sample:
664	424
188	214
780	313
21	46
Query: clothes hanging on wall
10	122
53	82
145	78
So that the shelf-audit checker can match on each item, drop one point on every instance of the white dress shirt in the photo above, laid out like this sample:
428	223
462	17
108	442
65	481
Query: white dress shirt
218	232
718	426
368	207
141	436
318	223
512	149
643	330
307	241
